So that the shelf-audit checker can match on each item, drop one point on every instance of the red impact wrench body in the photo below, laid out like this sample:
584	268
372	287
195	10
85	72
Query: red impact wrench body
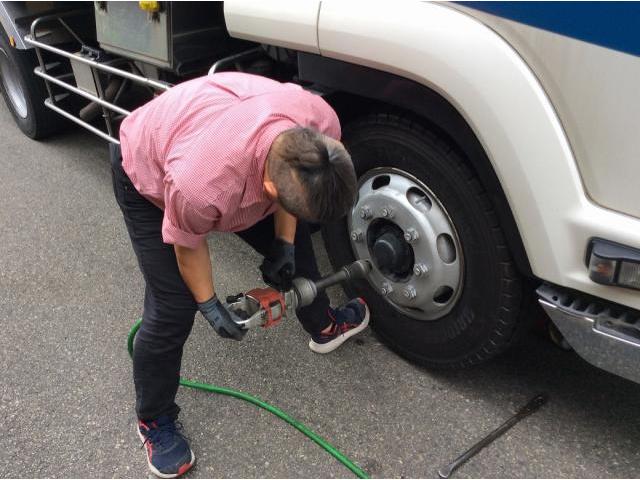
265	307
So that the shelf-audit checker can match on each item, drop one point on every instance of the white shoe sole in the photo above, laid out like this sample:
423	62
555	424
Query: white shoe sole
339	340
155	471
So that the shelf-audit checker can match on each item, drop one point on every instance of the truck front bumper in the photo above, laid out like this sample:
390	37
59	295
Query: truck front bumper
604	334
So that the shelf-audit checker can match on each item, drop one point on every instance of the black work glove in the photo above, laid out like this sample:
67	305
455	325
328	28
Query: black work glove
221	319
279	265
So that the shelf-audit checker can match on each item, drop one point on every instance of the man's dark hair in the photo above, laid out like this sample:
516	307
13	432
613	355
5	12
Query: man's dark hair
314	177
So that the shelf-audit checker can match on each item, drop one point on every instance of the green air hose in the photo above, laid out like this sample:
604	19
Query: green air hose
259	403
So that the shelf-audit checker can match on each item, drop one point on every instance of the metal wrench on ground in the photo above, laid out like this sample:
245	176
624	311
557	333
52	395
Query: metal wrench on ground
534	405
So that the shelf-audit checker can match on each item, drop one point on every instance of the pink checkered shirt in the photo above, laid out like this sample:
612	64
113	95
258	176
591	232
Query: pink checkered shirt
198	150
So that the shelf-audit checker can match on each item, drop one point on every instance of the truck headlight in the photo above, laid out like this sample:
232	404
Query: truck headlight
611	263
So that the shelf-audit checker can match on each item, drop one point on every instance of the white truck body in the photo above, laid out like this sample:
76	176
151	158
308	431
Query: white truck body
558	201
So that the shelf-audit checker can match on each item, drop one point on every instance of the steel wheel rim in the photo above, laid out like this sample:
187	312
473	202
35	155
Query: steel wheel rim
434	284
12	85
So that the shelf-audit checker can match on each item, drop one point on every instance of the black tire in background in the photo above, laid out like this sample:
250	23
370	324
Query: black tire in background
24	93
485	318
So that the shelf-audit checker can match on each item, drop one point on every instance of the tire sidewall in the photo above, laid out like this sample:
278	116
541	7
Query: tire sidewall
19	60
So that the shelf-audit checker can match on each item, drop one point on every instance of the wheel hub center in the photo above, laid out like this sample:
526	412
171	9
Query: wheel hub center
390	253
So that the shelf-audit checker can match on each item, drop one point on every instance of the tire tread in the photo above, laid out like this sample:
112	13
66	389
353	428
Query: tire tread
506	326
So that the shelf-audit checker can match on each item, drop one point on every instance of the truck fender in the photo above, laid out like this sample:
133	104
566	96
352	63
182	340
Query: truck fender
503	102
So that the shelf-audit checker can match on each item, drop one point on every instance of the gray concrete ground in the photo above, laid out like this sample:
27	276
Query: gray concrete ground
70	290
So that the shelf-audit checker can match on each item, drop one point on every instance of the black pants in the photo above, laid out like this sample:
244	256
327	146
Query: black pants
169	307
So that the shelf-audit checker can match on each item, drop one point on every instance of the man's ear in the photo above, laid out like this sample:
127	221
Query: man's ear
270	189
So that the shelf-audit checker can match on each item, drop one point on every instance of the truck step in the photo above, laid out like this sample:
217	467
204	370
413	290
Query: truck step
603	333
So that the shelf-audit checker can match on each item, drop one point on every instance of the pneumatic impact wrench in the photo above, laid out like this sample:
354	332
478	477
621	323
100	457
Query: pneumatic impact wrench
265	307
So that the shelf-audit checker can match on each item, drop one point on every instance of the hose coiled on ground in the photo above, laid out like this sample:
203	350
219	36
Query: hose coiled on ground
262	404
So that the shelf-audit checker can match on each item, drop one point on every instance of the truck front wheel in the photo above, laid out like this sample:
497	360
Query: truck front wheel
23	92
444	291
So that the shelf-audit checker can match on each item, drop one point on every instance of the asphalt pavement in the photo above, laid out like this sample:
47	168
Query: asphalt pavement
70	290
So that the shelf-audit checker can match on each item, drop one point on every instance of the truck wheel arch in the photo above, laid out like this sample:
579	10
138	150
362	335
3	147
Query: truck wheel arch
397	92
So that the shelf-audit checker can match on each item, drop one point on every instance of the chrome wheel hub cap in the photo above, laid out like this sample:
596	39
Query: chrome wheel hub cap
403	229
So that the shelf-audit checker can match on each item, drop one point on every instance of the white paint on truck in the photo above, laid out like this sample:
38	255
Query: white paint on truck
486	79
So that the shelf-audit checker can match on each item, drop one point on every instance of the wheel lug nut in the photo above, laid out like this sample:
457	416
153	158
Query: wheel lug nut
365	213
411	235
420	269
409	292
356	235
386	289
387	212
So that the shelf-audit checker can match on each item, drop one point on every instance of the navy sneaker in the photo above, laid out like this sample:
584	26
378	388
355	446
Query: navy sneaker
348	320
168	453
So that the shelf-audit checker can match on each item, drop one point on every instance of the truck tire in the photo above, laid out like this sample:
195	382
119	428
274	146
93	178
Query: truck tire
24	93
417	173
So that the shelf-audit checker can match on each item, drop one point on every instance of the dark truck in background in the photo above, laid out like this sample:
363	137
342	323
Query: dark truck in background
99	60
